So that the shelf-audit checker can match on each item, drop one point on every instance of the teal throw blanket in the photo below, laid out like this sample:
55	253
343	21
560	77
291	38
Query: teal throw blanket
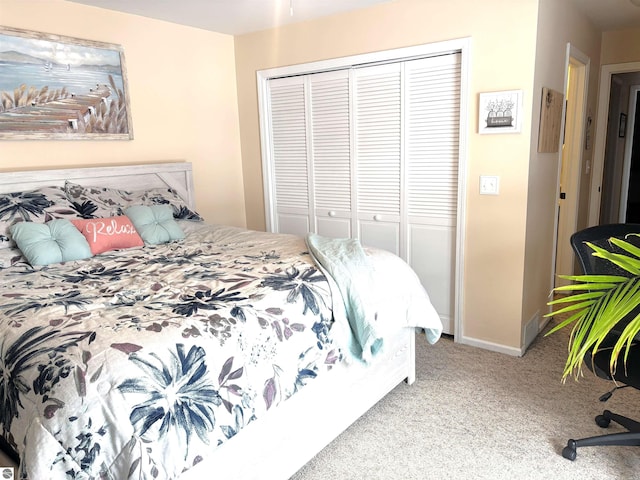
350	275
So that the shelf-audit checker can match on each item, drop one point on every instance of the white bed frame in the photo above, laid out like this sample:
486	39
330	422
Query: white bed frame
280	443
177	175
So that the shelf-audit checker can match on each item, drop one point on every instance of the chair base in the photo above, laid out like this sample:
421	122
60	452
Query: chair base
630	438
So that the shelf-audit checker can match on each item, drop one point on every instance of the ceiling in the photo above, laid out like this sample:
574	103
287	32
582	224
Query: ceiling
611	14
236	17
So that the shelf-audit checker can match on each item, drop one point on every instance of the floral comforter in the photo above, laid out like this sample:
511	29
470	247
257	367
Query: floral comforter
131	365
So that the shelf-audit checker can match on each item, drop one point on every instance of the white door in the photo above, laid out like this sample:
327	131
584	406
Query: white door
571	160
377	155
330	153
289	167
432	129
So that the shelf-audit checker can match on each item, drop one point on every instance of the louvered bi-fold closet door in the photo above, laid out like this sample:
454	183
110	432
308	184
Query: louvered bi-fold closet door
432	127
289	165
377	155
330	153
372	153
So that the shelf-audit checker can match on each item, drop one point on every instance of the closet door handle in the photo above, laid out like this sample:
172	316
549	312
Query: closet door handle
377	218
332	213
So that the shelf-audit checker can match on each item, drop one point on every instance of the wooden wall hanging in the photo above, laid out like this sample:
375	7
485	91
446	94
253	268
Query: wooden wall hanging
550	121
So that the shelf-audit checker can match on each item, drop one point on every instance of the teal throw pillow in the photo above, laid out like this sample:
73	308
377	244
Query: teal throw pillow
52	242
155	223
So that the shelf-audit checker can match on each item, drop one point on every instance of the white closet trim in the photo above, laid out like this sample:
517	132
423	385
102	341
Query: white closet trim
385	56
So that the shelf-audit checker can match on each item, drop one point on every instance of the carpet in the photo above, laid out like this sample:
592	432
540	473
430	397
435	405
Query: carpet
477	414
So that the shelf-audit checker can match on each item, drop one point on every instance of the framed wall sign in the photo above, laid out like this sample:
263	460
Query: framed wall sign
55	87
500	112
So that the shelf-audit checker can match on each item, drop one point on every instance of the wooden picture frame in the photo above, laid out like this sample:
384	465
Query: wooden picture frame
500	112
64	88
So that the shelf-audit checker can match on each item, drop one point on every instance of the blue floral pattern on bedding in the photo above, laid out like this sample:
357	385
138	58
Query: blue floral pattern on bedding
92	202
39	205
137	363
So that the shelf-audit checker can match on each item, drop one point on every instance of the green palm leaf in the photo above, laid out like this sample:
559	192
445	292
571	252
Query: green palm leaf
598	303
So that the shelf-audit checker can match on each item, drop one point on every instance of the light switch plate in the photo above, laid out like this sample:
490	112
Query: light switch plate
489	185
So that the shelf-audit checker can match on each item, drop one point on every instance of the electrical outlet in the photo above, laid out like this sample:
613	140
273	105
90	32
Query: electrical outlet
489	185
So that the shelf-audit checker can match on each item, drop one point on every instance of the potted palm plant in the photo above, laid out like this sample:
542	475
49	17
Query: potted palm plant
596	303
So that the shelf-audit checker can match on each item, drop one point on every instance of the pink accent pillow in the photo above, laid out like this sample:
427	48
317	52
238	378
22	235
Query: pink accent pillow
109	233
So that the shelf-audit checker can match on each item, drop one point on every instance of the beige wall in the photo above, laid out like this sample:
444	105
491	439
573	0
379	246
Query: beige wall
182	88
503	46
621	46
559	23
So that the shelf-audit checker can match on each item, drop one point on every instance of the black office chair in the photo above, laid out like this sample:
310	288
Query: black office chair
599	363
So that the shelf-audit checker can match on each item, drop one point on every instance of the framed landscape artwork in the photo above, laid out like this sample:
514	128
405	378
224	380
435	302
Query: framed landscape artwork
55	87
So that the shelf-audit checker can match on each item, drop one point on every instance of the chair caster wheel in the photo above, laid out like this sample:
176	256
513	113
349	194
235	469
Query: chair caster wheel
569	452
602	421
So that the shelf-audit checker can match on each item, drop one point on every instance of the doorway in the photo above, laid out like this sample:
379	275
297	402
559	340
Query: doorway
616	82
576	78
630	193
620	202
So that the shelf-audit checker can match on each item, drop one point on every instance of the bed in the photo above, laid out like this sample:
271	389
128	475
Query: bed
213	349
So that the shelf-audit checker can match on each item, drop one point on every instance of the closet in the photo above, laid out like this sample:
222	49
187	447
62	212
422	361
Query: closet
371	152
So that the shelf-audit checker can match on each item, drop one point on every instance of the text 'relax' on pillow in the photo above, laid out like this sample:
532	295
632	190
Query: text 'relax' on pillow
111	233
155	223
52	242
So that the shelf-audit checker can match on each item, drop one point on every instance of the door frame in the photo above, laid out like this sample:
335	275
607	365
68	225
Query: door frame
628	150
602	123
570	158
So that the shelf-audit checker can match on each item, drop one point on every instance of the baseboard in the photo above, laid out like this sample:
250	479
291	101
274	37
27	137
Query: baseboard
531	330
544	322
494	347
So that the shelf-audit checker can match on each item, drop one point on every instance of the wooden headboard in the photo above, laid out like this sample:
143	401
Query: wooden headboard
176	175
